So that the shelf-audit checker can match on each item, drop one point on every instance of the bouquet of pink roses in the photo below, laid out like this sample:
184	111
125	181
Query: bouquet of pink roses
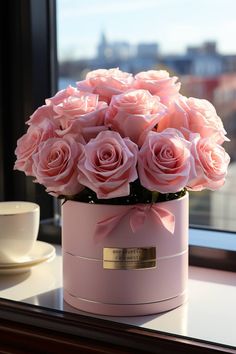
124	139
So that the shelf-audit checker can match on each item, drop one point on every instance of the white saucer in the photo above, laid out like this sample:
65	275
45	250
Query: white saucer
16	270
41	252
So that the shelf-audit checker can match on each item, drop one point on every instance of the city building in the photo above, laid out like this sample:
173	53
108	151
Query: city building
110	51
203	60
124	55
147	50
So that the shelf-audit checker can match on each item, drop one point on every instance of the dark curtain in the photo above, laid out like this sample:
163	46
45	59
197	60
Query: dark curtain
28	75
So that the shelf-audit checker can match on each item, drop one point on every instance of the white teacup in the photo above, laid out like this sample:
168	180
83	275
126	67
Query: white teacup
19	225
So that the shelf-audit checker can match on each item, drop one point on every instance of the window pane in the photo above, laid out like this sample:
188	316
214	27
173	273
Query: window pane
190	39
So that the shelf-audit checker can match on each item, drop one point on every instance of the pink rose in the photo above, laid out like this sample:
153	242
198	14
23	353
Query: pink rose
134	113
193	115
159	83
106	83
108	165
55	165
211	164
62	95
28	144
71	103
83	128
78	113
42	113
165	162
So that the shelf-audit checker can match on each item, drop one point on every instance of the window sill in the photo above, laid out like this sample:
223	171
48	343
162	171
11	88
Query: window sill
212	249
32	303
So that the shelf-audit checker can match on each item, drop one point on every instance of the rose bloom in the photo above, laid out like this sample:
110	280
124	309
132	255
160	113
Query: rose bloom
55	165
108	165
62	95
165	162
211	164
106	83
28	144
42	113
159	83
77	127
193	115
72	103
134	113
78	112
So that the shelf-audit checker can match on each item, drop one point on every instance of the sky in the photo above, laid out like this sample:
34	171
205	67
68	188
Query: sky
173	24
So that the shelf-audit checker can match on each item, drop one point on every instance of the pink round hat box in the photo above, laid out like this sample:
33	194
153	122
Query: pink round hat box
124	273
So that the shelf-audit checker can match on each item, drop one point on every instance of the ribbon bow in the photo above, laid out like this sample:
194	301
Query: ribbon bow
137	217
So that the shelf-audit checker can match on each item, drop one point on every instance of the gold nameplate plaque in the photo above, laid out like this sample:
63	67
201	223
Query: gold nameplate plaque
129	258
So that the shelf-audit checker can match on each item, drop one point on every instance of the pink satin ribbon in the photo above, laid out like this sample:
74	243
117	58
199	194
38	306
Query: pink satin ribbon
137	217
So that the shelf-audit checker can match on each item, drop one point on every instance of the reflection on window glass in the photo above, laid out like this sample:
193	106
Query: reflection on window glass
191	39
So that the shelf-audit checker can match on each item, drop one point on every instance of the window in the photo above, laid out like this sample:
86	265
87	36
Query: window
184	37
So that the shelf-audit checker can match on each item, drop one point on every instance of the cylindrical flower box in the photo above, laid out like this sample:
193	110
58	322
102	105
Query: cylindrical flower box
123	260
